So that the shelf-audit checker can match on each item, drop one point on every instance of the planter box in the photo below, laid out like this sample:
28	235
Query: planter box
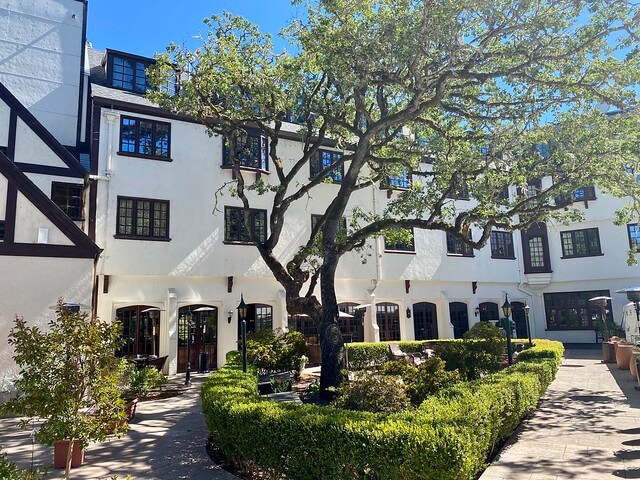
60	450
265	382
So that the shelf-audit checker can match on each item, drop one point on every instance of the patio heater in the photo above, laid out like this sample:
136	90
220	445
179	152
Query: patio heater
506	309
602	303
242	316
526	317
633	295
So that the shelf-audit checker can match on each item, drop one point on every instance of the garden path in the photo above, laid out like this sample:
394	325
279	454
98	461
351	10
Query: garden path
587	427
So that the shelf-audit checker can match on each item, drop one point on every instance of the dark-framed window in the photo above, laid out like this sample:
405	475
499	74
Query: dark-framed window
259	317
633	230
535	249
304	325
234	225
489	311
456	246
400	246
572	310
461	193
142	137
581	194
459	316
316	218
140	334
351	322
142	218
425	321
502	245
580	243
128	72
68	196
400	182
251	151
323	159
2	230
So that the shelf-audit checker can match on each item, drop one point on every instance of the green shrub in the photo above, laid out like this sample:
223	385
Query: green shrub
138	382
401	368
447	438
429	378
9	471
372	393
276	351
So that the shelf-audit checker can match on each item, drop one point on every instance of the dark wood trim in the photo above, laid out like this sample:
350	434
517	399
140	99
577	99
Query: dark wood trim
10	211
46	170
44	250
13	128
538	229
144	157
94	137
105	284
120	53
83	246
139	237
134	219
81	99
75	168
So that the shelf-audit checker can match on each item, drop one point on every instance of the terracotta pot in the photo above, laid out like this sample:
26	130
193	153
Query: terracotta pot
623	353
130	408
60	450
608	352
635	354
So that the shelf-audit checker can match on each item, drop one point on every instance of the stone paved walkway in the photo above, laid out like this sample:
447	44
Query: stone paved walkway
587	427
166	441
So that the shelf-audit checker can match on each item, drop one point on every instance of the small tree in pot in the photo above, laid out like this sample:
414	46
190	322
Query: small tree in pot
68	379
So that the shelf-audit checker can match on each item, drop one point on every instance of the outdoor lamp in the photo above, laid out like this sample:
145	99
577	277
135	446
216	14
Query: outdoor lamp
526	309
242	315
477	311
229	316
506	309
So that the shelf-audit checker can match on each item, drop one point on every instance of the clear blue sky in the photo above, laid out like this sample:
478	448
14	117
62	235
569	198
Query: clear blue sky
144	27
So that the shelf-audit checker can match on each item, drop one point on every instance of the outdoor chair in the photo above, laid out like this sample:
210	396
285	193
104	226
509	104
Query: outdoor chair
158	363
398	354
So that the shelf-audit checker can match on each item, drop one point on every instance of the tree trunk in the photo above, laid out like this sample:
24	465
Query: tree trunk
67	468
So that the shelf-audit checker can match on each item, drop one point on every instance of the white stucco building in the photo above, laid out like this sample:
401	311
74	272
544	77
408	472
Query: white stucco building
171	252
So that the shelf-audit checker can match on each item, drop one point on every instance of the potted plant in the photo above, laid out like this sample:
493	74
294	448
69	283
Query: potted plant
136	383
68	379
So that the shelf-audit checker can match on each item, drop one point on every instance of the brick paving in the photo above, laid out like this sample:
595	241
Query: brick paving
587	427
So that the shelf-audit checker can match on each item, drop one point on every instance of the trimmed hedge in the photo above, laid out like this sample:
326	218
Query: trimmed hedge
448	437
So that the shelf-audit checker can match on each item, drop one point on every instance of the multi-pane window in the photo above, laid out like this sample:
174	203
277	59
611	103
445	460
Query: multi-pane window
388	318
537	252
304	325
251	151
128	73
502	245
400	182
399	245
573	310
534	187
143	137
143	218
264	317
580	243
585	193
535	249
456	246
488	311
316	218
68	197
323	159
234	224
634	236
461	193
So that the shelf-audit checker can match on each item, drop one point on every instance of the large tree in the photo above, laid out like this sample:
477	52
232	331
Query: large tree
455	93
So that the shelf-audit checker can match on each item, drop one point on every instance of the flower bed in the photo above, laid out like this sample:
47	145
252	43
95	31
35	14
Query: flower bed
448	437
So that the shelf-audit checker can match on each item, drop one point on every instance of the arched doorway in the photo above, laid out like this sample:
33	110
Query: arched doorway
140	330
388	318
351	321
197	336
489	312
518	316
425	321
459	318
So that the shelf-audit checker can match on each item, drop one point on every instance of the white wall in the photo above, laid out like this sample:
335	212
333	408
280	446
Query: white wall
40	58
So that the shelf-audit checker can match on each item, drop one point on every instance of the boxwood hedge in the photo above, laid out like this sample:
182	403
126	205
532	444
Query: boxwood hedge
448	437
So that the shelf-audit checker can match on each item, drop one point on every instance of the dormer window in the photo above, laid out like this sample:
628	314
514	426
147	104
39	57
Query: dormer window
128	72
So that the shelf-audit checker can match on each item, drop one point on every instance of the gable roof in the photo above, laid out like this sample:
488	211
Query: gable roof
73	166
82	246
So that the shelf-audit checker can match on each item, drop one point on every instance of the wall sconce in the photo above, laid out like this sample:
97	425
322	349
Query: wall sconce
408	313
477	311
229	316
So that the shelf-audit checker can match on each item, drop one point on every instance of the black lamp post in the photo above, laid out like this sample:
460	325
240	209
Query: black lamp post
187	377
242	316
526	317
506	309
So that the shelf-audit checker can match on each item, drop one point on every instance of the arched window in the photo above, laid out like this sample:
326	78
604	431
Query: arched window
459	318
388	318
351	320
425	321
489	311
140	332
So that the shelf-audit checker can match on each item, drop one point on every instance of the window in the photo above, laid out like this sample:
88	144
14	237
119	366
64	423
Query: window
534	187
572	310
323	159
351	322
425	321
128	72
459	318
634	236
580	243
462	193
251	151
1	230
535	249
401	182
581	194
489	311
502	245
142	218
456	246
234	225
68	197
147	138
388	318
400	246
316	218
139	332
304	325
